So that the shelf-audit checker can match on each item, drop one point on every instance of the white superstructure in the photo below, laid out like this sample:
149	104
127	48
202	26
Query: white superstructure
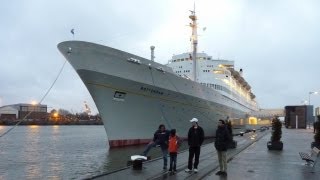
217	74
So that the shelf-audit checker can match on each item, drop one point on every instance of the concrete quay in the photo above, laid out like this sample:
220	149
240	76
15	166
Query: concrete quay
250	160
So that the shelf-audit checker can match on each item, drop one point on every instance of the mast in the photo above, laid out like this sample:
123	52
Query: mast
194	41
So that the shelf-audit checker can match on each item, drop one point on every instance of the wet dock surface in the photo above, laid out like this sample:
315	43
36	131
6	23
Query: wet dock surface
250	160
256	162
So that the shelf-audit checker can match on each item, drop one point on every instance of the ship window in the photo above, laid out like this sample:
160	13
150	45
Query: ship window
174	60
119	94
217	71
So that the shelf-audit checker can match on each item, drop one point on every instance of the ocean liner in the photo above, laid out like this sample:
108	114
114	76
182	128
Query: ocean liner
134	95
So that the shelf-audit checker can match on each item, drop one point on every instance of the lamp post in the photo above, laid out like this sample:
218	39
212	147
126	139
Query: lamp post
304	102
312	92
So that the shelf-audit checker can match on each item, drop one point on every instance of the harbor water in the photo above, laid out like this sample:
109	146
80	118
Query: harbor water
61	152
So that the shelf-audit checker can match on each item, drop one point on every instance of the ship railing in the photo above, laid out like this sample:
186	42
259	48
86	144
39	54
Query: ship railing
160	69
185	76
133	60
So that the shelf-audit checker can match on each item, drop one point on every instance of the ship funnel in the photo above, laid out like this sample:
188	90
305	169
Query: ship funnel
152	53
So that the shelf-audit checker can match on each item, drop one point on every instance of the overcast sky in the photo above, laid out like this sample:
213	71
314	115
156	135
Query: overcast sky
276	42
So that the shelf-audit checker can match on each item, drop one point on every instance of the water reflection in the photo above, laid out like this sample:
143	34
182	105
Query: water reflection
31	152
55	165
62	152
34	126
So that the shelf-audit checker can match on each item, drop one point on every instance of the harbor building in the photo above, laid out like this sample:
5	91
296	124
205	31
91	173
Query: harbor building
19	111
299	116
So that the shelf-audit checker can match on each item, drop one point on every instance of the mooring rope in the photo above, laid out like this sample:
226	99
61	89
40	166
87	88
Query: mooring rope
45	95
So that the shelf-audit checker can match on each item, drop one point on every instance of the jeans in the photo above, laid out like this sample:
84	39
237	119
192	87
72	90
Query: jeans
173	161
194	151
222	156
163	149
148	147
165	157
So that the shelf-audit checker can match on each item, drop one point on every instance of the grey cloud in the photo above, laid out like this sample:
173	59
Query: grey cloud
276	43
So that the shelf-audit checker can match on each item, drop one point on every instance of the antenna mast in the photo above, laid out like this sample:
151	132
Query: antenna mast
194	40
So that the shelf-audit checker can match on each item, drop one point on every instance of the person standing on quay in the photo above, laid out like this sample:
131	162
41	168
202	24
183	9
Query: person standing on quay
195	140
160	138
221	144
174	144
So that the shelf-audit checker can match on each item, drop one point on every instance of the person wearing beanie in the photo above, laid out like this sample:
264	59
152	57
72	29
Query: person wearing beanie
160	138
221	144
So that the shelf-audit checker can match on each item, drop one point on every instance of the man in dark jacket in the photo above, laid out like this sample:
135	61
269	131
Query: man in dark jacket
160	138
221	145
195	140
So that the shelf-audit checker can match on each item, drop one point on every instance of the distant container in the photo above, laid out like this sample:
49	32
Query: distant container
298	116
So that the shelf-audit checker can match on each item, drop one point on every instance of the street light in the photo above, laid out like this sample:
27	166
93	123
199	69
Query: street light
34	103
312	92
304	102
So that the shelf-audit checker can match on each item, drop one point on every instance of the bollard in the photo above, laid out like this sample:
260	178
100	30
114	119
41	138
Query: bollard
137	161
137	164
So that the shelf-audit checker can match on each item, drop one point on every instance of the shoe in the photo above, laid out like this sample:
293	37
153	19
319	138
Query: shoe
195	170
219	173
174	171
170	170
164	168
187	170
224	174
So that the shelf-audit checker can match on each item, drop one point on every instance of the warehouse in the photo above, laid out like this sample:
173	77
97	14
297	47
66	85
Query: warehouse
19	111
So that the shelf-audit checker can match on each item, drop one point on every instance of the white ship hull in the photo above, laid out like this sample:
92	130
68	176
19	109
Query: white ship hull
133	98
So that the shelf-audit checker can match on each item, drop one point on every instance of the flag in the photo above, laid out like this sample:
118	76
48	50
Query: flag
72	31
